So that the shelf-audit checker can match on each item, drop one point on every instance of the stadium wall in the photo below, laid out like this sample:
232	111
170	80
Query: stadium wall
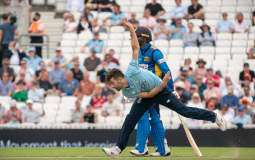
108	137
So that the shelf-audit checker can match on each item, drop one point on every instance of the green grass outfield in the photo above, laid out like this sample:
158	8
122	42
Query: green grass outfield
94	153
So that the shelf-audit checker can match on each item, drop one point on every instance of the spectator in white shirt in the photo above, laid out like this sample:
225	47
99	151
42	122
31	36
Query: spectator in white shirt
224	25
147	20
36	93
77	112
160	30
30	115
75	5
71	25
179	11
240	26
111	107
228	114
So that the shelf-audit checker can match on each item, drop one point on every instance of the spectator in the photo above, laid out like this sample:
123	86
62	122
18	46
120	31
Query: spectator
98	28
247	82
201	86
113	59
245	103
214	77
42	68
185	78
200	70
75	5
156	9
227	113
28	72
228	83
91	63
247	94
177	30
6	87
77	112
87	87
101	74
69	86
7	34
190	38
77	73
33	60
160	31
211	90
117	16
101	6
13	115
240	26
89	116
37	27
108	60
44	82
71	26
251	53
180	89
14	53
6	68
88	14
195	10
36	94
224	25
30	115
246	72
210	105
84	25
2	111
250	111
193	90
179	11
242	118
97	100
106	90
58	57
111	107
230	99
133	20
20	94
206	38
57	74
95	44
147	20
22	77
70	64
253	18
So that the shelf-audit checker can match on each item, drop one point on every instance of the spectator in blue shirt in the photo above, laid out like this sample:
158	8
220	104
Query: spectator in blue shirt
57	74
33	60
6	87
58	57
224	25
230	98
69	86
177	30
242	118
179	11
94	44
116	16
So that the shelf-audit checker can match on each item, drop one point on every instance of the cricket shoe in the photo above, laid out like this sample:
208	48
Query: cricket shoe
137	153
167	151
113	152
221	122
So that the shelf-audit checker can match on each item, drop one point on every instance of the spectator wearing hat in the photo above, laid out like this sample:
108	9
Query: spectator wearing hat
242	118
2	111
92	62
6	87
36	94
195	10
230	99
179	11
240	25
156	8
224	25
211	90
42	68
245	103
206	38
177	30
247	72
214	77
251	53
57	74
117	16
30	115
32	60
184	74
148	20
71	25
228	114
6	68
182	92
87	87
20	94
69	86
160	31
133	20
94	44
58	57
200	70
13	114
190	38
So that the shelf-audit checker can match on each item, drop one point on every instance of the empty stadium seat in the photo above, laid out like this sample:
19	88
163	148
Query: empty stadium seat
161	43
52	99
70	36
176	43
207	50
68	100
176	50
117	29
223	43
116	36
240	36
239	43
222	50
114	43
224	36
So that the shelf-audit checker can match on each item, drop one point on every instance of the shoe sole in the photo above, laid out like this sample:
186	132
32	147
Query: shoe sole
140	155
109	155
166	155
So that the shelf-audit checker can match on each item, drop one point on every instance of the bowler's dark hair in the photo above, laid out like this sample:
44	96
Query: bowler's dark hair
114	73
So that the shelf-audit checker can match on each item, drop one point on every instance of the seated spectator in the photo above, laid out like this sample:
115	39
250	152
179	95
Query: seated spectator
44	82
77	112
97	100
111	107
251	53
253	18
147	20
58	57
133	20
250	111
95	44
89	116
101	73
246	71
14	53
6	68
108	61
210	105
42	68
22	77
88	14
101	6
200	70
227	113
75	5
177	30
36	94
211	90
190	38
70	64
240	25
87	87
245	103
224	25
33	60
242	118
201	86
113	59
84	25
71	25
182	92
214	77
230	99
229	83
246	94
106	90
28	72
6	87
117	16
193	90
91	63
57	75
179	11
247	83
156	8
187	63
160	31
195	10
30	115
20	94
185	78
2	111
77	73
13	115
69	86
206	38
99	28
